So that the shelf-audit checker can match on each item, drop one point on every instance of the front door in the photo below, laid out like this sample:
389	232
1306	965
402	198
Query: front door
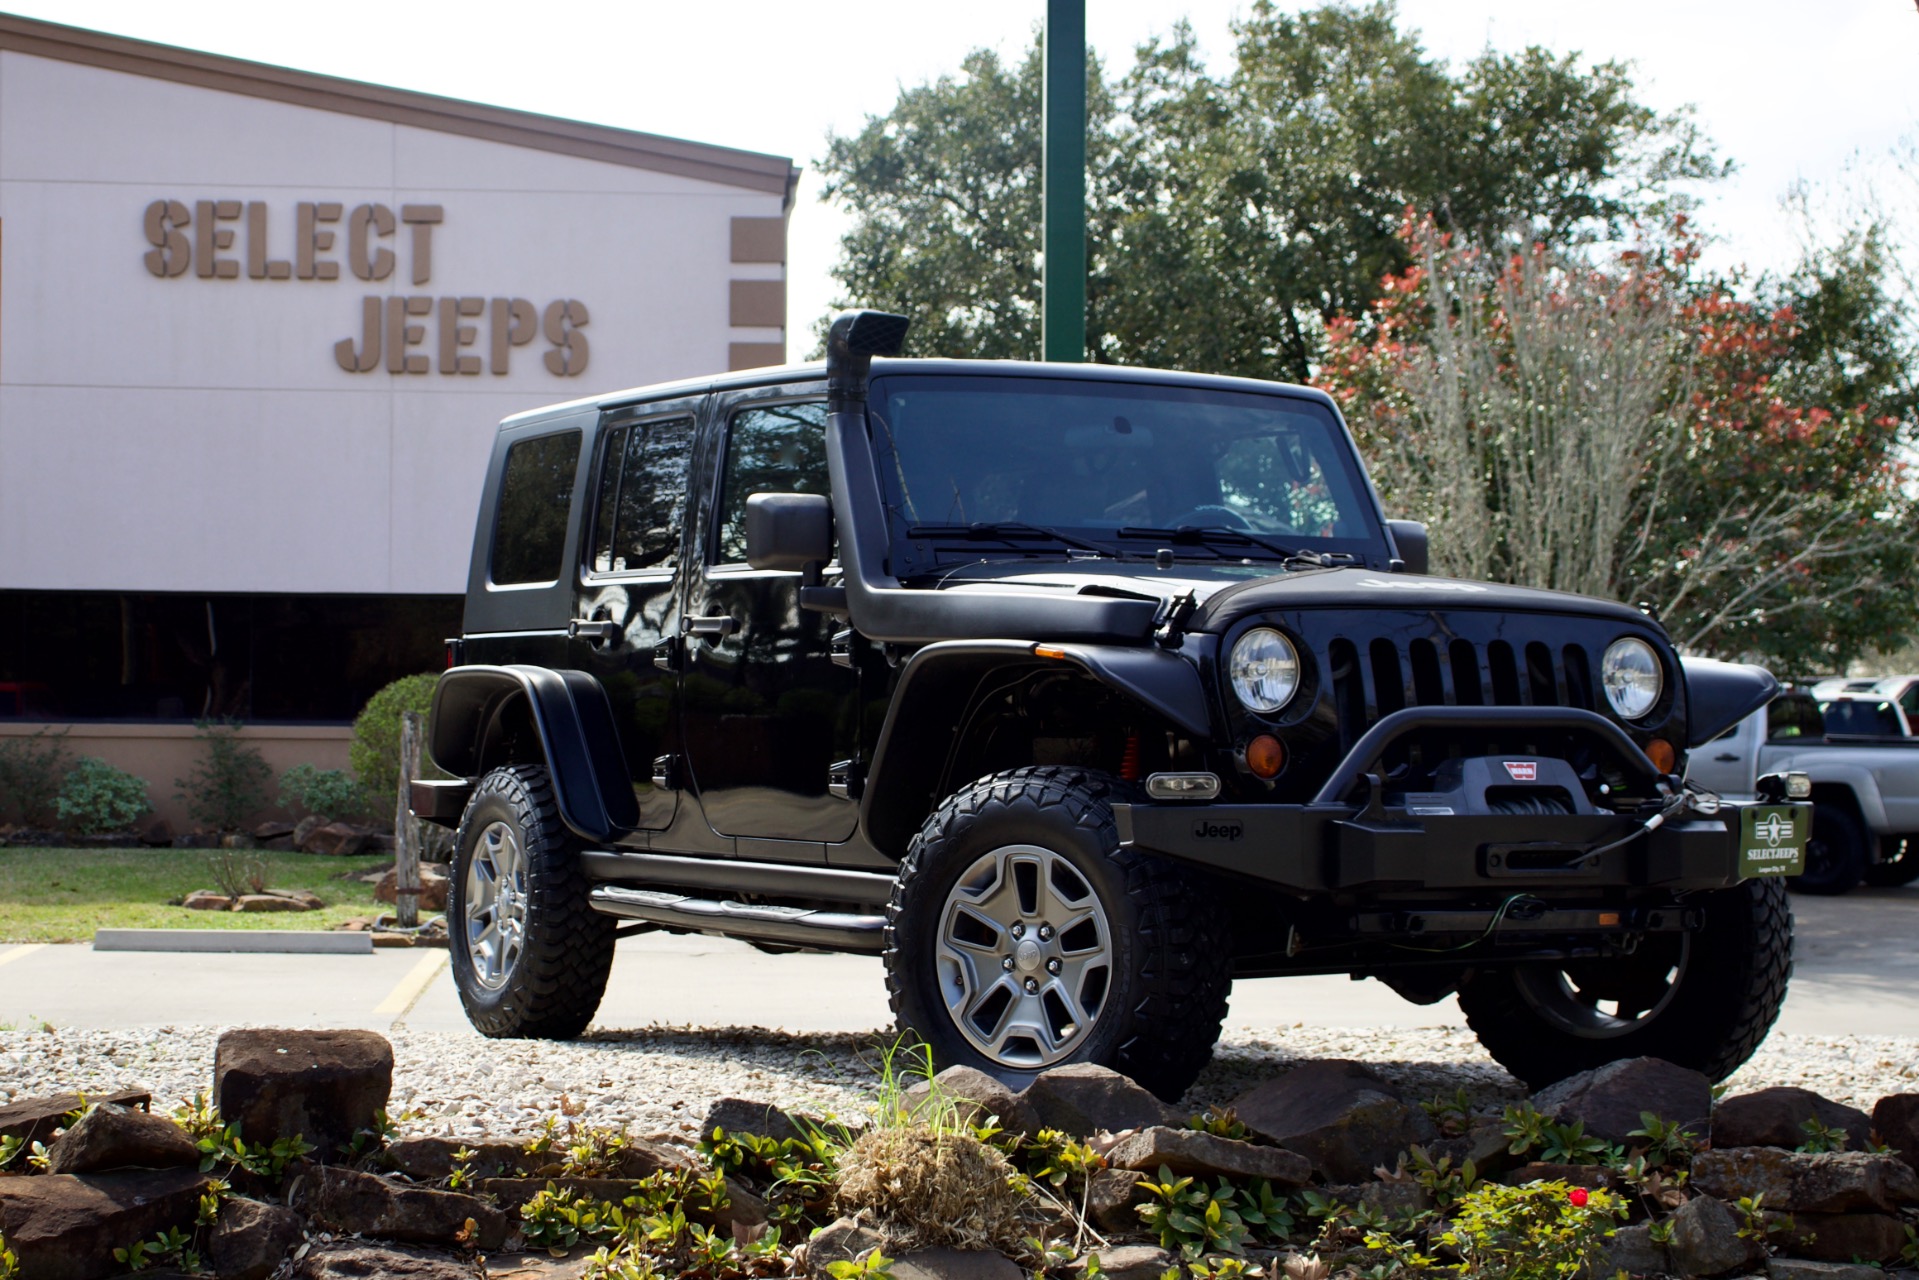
766	711
627	597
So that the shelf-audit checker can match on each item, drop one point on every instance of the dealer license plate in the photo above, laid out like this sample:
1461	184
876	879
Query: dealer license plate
1772	840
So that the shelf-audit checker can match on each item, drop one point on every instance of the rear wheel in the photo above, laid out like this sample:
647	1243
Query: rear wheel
1021	935
530	958
1835	853
1702	1000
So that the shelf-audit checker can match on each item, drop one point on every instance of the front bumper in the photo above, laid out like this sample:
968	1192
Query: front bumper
1341	850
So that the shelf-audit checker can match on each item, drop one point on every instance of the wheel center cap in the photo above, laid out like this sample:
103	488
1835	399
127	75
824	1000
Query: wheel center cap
1026	956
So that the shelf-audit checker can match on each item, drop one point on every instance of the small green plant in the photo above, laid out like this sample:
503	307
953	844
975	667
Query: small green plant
226	1147
31	771
9	1260
1758	1223
1908	1253
198	1118
1535	1134
1822	1139
229	783
11	1145
1440	1178
1539	1231
1221	1123
462	1175
1191	1219
1668	1143
556	1220
1453	1116
868	1266
96	798
1659	1230
327	794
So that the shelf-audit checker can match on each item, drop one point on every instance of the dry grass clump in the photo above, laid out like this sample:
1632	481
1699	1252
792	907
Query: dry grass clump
921	1188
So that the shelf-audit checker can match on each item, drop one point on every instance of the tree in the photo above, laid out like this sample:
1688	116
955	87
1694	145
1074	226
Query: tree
1631	431
1230	217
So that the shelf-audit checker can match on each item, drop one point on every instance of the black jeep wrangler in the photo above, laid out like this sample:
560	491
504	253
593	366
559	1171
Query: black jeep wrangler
1075	693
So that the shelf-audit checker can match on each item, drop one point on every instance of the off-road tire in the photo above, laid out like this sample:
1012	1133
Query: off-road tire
553	990
1901	868
1727	996
1172	964
1835	854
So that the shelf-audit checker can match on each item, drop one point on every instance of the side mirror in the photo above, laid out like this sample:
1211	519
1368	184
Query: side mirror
788	531
1409	542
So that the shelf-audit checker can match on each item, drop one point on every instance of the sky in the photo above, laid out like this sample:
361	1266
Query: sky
1790	91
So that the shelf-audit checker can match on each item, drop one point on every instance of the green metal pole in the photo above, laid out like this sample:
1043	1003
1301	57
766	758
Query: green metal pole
1063	276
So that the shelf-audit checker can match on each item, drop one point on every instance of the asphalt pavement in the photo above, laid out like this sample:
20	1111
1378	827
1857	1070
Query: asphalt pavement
1856	972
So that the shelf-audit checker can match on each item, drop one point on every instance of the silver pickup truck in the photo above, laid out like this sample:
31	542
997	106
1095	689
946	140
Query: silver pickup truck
1865	787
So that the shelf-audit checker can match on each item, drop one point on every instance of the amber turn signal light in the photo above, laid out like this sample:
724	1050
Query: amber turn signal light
1660	752
1265	756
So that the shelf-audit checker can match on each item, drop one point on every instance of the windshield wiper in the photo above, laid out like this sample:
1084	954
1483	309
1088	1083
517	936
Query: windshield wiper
1212	535
1009	532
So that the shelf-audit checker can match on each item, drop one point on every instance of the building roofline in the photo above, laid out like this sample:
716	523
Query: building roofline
750	170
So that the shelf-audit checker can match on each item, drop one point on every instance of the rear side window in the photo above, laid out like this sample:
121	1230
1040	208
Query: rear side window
1789	718
536	495
781	449
642	497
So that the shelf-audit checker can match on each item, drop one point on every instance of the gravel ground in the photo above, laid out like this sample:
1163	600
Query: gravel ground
661	1080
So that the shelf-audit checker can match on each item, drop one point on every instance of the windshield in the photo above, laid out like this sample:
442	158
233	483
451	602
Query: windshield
977	467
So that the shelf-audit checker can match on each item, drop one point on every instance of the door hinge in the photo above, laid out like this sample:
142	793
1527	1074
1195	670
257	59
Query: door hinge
843	648
846	779
666	654
667	773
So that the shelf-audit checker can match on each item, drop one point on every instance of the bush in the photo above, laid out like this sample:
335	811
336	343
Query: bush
327	794
31	770
375	752
97	798
230	784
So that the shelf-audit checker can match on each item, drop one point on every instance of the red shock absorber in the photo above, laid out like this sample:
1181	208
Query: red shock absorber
1129	759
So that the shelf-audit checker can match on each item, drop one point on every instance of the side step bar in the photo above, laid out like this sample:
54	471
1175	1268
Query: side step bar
730	875
762	922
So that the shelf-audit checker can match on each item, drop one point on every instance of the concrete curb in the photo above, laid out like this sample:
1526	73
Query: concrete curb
285	941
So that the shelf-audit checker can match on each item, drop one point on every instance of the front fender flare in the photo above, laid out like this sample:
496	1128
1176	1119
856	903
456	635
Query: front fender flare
573	718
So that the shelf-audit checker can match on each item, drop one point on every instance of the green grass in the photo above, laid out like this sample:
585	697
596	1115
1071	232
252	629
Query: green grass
63	895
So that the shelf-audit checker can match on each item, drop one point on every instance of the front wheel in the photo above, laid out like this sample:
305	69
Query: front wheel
1021	936
1703	999
530	957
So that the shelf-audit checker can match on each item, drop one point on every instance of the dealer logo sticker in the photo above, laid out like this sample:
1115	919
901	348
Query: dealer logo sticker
1772	829
1523	770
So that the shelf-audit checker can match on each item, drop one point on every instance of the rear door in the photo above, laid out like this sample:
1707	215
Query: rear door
627	613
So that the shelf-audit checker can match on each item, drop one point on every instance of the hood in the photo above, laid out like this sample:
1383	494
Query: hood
1369	589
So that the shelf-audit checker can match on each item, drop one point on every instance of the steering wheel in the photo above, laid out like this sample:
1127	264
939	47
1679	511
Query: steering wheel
1211	513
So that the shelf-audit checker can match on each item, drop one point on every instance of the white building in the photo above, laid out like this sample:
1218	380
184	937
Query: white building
256	329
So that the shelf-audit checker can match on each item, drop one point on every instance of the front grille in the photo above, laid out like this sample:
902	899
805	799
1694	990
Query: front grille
1372	678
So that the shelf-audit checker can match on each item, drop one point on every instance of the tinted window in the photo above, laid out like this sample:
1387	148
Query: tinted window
536	491
1909	700
642	497
1794	718
1855	715
781	449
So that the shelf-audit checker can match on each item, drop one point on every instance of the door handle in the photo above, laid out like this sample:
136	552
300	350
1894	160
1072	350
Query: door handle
597	630
712	628
1726	757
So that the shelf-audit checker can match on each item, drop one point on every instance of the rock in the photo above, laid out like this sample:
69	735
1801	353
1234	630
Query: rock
157	834
1485	1144
1392	1198
206	900
266	902
737	1115
335	840
431	1159
1590	1176
236	840
279	844
35	1119
1610	1098
273	830
110	1136
250	1239
956	1264
1083	1099
432	888
1896	1120
979	1096
842	1240
66	1226
1804	1269
1634	1251
359	1260
1772	1118
1110	1200
1842	1237
303	830
1795	1182
306	898
1339	1115
322	1085
362	1204
644	1157
1188	1151
1706	1240
1128	1262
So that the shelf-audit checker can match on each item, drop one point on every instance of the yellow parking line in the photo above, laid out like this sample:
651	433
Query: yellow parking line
417	979
14	953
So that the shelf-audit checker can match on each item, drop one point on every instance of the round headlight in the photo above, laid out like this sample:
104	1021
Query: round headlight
1632	677
1264	670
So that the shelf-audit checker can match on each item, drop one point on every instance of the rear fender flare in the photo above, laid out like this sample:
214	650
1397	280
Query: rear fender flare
573	719
938	682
